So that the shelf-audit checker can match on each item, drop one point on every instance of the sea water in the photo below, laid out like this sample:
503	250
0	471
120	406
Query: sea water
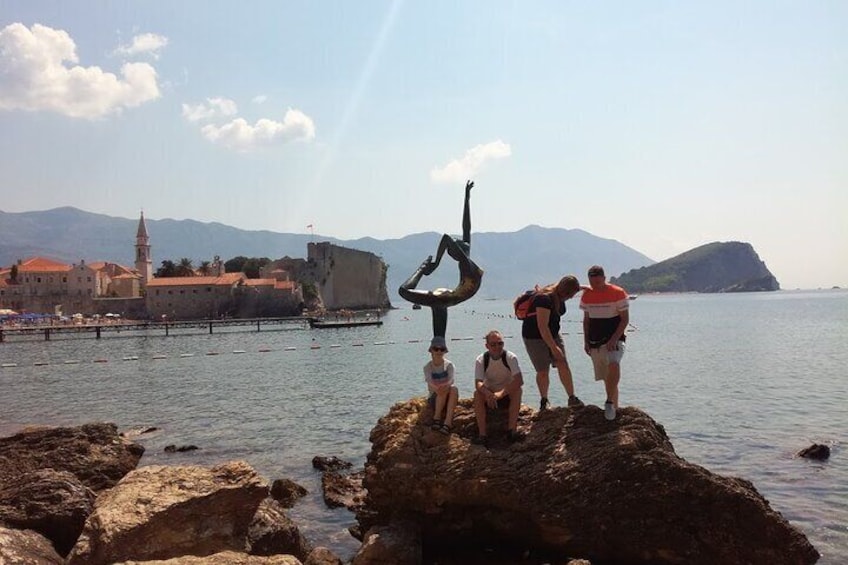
740	382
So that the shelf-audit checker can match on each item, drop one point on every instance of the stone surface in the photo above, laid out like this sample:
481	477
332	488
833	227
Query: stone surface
95	453
322	556
331	463
52	503
817	451
396	544
162	512
343	490
222	558
273	532
578	486
287	492
27	547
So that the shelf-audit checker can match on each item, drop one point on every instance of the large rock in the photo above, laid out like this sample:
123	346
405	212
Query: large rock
95	453
161	512
52	503
222	558
26	546
578	486
273	532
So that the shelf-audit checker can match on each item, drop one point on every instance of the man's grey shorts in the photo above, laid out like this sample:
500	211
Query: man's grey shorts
540	354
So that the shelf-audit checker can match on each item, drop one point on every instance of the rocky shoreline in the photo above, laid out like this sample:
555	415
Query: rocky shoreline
579	489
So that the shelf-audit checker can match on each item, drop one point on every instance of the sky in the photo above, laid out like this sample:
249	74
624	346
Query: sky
664	125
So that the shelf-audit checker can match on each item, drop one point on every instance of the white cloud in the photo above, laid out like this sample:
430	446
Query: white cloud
259	99
149	43
34	76
241	136
467	166
214	108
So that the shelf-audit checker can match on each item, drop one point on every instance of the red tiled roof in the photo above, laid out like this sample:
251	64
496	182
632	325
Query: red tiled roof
285	285
259	282
227	279
42	265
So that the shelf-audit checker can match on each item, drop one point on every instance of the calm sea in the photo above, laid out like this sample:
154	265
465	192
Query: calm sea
740	381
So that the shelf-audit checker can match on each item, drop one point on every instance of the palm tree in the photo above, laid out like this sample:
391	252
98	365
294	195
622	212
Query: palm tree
185	268
205	268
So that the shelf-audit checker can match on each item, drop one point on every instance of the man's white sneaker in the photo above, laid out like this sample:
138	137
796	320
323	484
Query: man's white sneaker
609	410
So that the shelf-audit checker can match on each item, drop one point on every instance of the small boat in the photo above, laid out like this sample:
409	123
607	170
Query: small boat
315	323
633	297
416	307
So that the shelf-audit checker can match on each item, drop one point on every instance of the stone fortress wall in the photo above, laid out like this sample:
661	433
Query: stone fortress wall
347	278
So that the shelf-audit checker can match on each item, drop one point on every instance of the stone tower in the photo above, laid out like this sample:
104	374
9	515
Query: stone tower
143	261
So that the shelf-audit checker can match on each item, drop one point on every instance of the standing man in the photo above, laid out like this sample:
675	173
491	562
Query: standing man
497	383
605	317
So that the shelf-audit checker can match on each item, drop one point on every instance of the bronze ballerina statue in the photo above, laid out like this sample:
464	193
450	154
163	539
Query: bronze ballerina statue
470	275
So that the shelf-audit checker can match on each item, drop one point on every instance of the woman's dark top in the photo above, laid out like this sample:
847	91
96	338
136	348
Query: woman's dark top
530	328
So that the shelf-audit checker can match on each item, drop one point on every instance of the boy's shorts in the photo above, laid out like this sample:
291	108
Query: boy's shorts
601	358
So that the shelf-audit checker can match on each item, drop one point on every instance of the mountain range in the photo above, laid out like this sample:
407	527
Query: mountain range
512	261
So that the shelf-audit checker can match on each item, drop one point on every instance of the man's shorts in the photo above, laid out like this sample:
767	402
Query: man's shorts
540	354
601	358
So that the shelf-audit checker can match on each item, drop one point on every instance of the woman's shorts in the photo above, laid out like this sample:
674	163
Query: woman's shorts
540	354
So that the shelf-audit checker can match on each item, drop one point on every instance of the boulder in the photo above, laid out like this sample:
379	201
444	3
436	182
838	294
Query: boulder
273	532
162	512
395	544
287	492
322	556
222	558
818	451
52	503
330	463
342	490
26	546
95	453
579	486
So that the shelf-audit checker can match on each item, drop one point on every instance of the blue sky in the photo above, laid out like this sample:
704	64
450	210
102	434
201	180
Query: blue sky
664	125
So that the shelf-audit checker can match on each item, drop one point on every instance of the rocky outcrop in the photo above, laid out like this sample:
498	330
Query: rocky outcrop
578	486
50	502
322	556
273	532
162	512
343	490
394	544
26	546
94	453
222	558
716	267
287	492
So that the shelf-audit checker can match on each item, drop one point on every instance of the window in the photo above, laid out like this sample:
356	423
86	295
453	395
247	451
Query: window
64	279
89	292
157	294
194	291
89	279
208	289
182	291
38	279
170	292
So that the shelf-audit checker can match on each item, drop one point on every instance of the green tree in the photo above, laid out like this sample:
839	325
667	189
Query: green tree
235	265
205	268
13	274
168	269
253	265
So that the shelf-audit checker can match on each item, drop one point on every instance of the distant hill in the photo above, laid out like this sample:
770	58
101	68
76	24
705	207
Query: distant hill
716	267
512	261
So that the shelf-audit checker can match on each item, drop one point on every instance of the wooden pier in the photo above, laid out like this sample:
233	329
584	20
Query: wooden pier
149	327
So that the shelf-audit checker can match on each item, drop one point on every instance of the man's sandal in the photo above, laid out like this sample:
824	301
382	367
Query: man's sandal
445	429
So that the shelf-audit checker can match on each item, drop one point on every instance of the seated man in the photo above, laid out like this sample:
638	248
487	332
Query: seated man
497	382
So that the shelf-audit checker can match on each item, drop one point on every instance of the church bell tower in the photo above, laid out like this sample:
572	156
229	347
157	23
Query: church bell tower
143	261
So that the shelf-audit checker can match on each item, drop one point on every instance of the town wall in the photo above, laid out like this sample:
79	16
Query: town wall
347	278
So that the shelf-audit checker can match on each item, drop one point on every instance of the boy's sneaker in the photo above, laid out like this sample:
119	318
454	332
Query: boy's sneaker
481	440
514	436
574	402
544	404
609	410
